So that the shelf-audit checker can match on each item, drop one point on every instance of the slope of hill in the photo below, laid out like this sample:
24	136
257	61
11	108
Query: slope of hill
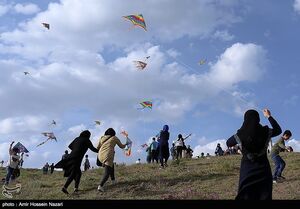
202	179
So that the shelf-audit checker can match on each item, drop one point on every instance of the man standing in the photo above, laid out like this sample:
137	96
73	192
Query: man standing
279	146
153	147
65	155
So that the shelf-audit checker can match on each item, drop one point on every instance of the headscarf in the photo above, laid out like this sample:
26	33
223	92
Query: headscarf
252	134
110	132
85	134
166	128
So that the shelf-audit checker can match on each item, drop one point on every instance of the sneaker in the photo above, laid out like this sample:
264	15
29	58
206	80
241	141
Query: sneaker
274	182
76	190
64	190
100	188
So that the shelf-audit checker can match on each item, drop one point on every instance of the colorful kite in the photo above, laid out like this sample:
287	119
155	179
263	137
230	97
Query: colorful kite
128	144
50	136
144	145
21	148
145	104
46	25
137	20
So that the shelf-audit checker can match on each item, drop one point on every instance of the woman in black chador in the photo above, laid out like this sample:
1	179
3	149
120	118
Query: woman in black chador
255	173
71	164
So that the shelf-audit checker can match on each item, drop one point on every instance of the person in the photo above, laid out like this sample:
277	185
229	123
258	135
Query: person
219	151
138	161
86	164
71	164
255	181
180	145
13	162
2	162
278	147
207	156
163	140
290	149
173	151
202	154
189	152
65	155
51	168
106	155
148	158
45	168
153	148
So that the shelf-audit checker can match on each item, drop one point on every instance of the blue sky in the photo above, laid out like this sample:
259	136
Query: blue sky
82	70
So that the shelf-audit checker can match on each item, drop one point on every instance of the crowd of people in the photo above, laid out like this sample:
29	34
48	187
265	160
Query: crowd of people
251	141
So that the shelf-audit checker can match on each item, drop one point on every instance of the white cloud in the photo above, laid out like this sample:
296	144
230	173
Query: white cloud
295	144
75	130
297	6
21	124
112	90
26	9
91	25
46	155
240	62
173	53
223	35
102	87
209	148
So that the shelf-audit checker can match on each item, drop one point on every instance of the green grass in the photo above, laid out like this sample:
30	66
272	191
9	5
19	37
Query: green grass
202	179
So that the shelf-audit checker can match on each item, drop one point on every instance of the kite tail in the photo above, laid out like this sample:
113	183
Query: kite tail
42	143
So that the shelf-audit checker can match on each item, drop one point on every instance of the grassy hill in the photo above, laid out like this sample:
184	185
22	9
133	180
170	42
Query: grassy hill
202	179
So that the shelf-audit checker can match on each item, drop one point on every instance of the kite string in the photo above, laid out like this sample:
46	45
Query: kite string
222	89
190	68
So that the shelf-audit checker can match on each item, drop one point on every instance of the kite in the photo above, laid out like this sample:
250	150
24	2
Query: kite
46	25
145	104
144	145
128	144
97	122
141	64
53	122
202	62
50	136
21	148
137	20
26	73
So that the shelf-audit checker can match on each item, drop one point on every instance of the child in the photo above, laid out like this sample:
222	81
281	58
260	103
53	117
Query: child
13	162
